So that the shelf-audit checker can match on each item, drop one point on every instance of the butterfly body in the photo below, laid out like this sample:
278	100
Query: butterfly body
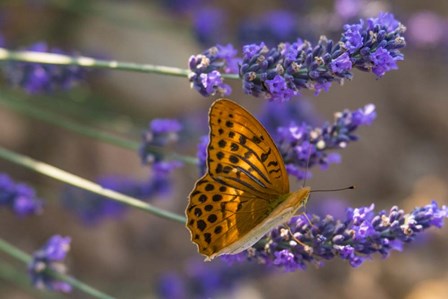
245	192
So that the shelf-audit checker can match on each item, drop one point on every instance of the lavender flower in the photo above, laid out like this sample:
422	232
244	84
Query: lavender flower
92	208
206	68
303	146
279	73
19	197
381	37
161	133
50	257
356	238
39	78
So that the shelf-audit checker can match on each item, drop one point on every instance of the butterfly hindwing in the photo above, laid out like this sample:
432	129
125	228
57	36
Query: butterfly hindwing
219	215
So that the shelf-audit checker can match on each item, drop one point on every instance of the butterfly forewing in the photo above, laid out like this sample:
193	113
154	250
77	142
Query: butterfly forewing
241	153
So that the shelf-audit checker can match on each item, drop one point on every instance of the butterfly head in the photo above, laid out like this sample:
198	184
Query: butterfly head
299	198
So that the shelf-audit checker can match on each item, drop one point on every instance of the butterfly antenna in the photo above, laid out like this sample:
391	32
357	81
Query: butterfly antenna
333	190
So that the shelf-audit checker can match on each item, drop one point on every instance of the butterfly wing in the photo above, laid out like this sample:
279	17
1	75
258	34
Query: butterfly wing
219	215
242	154
245	175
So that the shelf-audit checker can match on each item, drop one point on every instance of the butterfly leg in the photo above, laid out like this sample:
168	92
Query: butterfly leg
294	238
306	247
307	218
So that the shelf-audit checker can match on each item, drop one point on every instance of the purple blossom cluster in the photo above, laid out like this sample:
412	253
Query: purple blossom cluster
375	46
40	78
50	257
93	208
205	70
356	238
303	146
161	133
19	197
280	72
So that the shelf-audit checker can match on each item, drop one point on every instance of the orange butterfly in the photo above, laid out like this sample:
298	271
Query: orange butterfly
245	192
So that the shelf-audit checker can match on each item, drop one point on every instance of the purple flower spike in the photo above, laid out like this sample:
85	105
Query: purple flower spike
341	64
41	78
161	133
20	198
50	256
279	90
381	40
352	37
206	68
303	66
304	146
356	238
280	72
383	62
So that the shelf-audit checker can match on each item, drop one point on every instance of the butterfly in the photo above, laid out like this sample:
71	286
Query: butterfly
244	193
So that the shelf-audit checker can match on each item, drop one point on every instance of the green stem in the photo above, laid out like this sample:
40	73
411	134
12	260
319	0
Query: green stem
14	252
79	285
25	258
51	118
59	59
88	62
79	182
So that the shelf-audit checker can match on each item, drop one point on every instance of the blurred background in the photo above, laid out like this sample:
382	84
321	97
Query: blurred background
399	160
